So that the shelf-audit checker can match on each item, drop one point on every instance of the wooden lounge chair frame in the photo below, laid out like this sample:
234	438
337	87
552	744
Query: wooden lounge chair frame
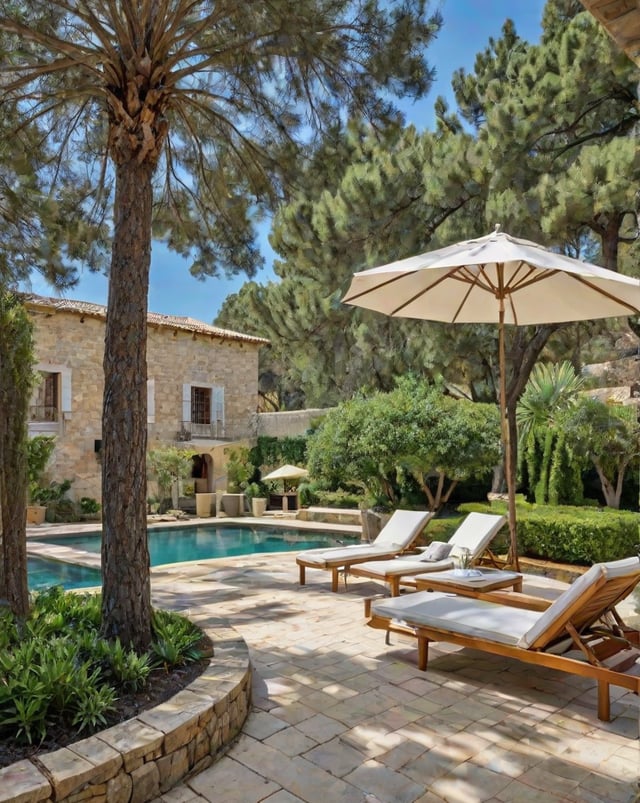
608	648
339	560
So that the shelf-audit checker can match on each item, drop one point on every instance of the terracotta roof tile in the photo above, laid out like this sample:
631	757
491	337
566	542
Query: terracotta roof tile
153	318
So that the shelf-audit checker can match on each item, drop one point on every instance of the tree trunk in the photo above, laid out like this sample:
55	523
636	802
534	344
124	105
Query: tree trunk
16	376
126	591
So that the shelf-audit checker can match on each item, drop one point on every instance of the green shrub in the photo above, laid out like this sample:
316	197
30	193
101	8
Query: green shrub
56	671
176	640
581	535
89	506
341	499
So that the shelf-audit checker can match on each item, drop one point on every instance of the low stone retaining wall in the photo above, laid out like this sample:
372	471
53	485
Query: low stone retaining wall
140	759
330	515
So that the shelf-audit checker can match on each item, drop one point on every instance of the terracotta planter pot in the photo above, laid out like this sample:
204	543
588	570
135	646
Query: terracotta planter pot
36	514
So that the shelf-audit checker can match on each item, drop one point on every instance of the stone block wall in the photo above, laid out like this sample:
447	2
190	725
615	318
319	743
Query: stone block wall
286	424
74	341
142	758
175	358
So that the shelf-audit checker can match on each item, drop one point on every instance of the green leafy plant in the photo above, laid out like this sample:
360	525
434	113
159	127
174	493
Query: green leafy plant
129	670
57	671
239	469
168	465
89	506
39	451
176	640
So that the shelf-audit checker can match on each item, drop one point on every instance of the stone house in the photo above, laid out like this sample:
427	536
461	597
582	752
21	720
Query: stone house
202	390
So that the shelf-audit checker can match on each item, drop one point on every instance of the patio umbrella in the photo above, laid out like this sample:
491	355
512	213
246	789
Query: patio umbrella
287	472
496	279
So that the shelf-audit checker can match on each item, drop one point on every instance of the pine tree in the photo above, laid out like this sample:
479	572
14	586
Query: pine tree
198	108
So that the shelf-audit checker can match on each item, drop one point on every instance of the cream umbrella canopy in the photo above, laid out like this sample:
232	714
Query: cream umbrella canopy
496	279
287	472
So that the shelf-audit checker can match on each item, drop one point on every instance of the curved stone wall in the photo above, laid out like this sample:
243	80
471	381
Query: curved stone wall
139	759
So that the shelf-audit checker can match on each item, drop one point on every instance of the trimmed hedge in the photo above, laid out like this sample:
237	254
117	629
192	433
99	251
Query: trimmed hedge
580	535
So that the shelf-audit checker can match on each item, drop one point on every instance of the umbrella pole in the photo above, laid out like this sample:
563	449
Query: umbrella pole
512	557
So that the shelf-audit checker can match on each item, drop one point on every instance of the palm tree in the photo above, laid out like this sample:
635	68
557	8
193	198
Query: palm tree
199	108
551	389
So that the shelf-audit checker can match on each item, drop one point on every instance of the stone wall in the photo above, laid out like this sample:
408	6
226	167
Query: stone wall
74	342
142	758
77	343
286	424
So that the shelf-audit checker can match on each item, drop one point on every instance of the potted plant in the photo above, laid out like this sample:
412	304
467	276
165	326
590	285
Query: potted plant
57	504
89	508
257	496
239	470
39	451
169	466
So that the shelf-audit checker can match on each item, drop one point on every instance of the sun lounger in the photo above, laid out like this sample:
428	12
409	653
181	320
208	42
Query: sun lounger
397	535
474	535
580	632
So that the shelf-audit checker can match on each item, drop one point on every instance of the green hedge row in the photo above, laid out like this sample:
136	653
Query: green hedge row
581	535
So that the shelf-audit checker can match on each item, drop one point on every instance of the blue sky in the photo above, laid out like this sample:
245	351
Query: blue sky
468	24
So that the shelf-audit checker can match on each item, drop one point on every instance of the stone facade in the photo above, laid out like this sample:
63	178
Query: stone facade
182	353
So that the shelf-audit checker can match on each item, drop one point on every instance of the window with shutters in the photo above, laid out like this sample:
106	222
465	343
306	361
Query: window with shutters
200	405
51	399
202	411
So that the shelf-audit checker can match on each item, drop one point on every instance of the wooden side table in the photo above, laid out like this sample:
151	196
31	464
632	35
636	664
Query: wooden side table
479	581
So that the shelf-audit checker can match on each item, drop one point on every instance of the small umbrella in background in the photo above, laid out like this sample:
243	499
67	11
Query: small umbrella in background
284	473
496	279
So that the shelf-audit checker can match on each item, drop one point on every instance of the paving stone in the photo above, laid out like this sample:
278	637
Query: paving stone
470	783
523	793
321	728
385	784
339	717
283	797
291	742
335	756
233	782
261	725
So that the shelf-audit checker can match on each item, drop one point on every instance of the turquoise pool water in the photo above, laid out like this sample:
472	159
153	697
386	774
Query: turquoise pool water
179	544
45	573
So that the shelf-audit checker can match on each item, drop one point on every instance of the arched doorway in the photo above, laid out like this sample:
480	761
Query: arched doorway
202	473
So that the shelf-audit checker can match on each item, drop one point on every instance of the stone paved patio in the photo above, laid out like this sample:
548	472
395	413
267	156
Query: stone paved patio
339	716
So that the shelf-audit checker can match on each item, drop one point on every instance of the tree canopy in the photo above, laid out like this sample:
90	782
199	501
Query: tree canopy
541	141
413	439
186	115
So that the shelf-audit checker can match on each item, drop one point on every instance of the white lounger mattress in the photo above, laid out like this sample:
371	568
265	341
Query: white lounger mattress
320	557
462	615
404	564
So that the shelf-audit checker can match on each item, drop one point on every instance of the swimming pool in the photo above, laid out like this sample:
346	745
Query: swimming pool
200	542
44	573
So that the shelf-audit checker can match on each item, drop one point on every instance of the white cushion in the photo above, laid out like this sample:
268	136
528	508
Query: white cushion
462	615
328	557
475	534
403	527
555	616
409	565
